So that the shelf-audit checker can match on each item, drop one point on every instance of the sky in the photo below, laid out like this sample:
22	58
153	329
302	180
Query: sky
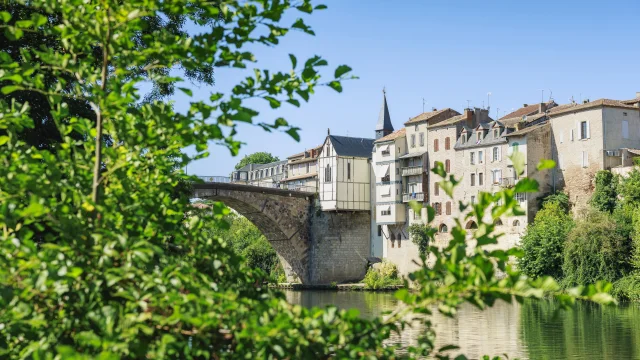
445	52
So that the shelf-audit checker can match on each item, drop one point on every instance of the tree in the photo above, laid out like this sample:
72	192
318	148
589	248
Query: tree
257	158
122	274
595	250
543	242
421	235
604	195
630	188
559	197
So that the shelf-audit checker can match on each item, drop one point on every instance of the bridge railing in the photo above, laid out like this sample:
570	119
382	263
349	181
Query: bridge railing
264	184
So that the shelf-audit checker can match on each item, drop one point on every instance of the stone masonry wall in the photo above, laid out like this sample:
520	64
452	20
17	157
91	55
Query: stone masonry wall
340	246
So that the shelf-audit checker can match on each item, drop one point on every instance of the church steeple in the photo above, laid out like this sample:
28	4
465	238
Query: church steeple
384	127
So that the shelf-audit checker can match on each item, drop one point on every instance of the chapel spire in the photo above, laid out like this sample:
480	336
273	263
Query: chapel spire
384	126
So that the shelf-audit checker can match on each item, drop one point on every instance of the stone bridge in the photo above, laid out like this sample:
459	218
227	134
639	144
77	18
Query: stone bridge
315	247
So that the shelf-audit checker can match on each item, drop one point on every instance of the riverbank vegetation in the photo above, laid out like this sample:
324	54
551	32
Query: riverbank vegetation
601	242
382	276
118	270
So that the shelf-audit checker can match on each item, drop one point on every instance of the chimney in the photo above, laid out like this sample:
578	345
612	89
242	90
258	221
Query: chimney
585	101
520	125
525	105
434	109
468	117
542	108
328	132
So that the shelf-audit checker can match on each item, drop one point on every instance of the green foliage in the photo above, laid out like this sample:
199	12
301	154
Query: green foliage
257	158
628	287
543	241
595	250
605	194
421	235
630	188
559	197
636	161
123	272
381	276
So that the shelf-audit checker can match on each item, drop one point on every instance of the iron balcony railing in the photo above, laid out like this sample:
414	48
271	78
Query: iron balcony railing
406	197
411	170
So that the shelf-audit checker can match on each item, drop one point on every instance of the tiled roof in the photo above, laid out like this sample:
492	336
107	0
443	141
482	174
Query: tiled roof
302	160
394	135
426	116
352	146
526	110
449	121
302	153
528	129
631	101
592	104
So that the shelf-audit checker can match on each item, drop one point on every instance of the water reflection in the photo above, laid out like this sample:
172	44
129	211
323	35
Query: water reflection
533	330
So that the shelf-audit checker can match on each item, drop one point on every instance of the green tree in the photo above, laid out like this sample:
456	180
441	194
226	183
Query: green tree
257	158
630	188
559	197
543	242
595	250
421	235
605	194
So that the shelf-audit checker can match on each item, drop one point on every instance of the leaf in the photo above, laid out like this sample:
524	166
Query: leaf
13	33
546	164
320	7
335	85
293	132
341	70
294	61
5	16
526	185
186	91
415	206
9	89
273	102
448	347
517	159
87	206
3	140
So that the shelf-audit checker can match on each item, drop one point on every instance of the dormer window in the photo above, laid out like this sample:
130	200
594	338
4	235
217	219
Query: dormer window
496	132
463	138
479	135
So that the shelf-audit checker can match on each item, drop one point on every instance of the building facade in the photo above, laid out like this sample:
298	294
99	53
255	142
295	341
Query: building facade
302	170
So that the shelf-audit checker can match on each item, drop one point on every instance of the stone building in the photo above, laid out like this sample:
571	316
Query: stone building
302	170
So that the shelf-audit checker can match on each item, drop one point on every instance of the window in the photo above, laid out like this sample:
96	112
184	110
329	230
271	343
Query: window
438	208
497	176
436	189
327	174
463	138
413	140
497	222
386	211
447	166
473	179
348	171
435	145
443	229
473	199
515	147
480	179
496	154
585	159
496	132
307	168
625	129
448	208
571	134
416	215
421	139
397	171
584	130
379	230
472	159
328	150
386	178
479	135
521	197
480	157
516	223
447	143
561	138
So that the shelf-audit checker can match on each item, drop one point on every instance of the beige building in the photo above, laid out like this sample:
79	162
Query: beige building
302	170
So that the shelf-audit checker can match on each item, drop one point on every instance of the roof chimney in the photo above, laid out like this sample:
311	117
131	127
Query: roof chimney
468	116
434	109
525	105
520	125
542	108
328	132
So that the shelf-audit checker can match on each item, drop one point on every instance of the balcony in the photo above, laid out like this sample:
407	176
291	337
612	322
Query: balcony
507	182
411	170
406	197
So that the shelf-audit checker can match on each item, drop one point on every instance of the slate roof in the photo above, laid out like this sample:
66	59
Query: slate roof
352	146
487	139
384	120
275	163
593	104
394	135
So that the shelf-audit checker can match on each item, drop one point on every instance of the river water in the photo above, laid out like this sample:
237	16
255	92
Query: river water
533	330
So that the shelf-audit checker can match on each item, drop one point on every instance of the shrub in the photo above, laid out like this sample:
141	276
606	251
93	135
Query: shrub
421	235
559	197
630	188
381	276
604	195
543	242
595	250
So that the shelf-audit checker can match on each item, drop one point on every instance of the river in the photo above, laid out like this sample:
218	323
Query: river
532	330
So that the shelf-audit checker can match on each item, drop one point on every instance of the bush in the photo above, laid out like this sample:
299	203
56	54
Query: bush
558	197
595	250
628	287
605	194
421	235
543	241
630	188
382	276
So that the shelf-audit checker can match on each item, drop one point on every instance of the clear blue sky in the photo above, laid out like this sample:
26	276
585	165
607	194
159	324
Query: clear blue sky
446	52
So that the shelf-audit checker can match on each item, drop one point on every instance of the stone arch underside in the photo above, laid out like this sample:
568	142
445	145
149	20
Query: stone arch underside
282	220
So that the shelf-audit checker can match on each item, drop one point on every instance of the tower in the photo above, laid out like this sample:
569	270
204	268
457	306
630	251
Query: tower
384	127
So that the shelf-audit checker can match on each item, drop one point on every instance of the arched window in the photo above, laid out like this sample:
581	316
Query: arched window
471	225
443	229
516	223
447	143
497	222
447	166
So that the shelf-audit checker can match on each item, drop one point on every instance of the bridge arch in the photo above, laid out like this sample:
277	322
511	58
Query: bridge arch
281	215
